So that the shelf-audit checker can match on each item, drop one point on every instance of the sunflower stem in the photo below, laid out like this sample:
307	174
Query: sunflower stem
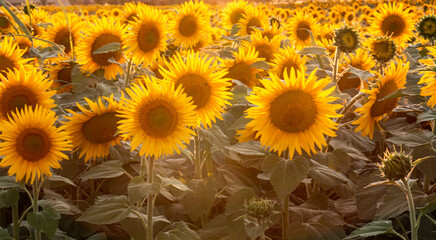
150	203
285	218
432	41
412	213
35	206
336	63
15	222
197	152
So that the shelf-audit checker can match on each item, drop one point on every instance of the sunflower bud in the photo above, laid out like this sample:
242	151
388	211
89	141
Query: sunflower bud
259	208
346	39
427	27
395	165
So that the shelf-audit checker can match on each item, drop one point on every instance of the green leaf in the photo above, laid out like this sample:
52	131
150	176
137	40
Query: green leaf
412	138
8	182
225	54
174	182
339	159
110	47
260	65
325	176
109	169
234	30
16	18
372	229
98	236
240	123
363	75
254	228
404	92
234	209
427	116
347	137
4	234
46	221
180	232
138	188
200	199
9	198
313	51
59	178
287	175
108	211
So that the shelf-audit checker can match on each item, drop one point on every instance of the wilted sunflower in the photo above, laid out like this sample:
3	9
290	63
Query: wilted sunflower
253	18
346	39
429	79
382	49
286	59
60	73
189	23
146	36
374	109
198	78
64	33
11	55
158	116
265	47
293	114
94	131
20	88
240	68
393	19
233	12
299	27
104	32
31	144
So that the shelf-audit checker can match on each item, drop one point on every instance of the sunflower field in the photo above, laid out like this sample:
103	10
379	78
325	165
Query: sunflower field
228	120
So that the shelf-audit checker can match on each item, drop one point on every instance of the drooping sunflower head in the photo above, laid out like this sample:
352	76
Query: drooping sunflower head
375	108
285	60
265	47
427	27
240	68
159	116
293	114
60	72
189	23
32	144
233	12
300	27
382	49
24	87
346	39
93	131
10	55
253	18
200	80
393	19
105	31
63	32
146	36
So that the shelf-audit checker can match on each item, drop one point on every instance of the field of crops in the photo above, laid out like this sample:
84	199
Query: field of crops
311	121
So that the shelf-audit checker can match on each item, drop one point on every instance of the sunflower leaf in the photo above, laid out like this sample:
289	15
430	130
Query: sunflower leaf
287	175
9	198
260	65
8	182
372	229
108	211
109	169
313	51
46	220
138	188
110	47
180	232
427	116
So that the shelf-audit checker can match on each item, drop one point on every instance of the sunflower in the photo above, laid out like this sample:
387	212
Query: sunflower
286	59
189	23
299	28
233	12
427	27
274	31
60	73
31	144
240	68
104	32
146	36
94	131
6	22
198	78
393	20
159	117
33	22
360	60
24	43
346	39
11	55
64	33
245	135
429	79
293	114
374	109
382	49
265	47
23	87
253	18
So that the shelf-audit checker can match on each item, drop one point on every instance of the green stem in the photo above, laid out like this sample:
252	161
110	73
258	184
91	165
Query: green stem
35	206
285	218
402	228
336	63
431	219
412	213
150	204
15	222
426	186
24	215
197	160
432	41
397	234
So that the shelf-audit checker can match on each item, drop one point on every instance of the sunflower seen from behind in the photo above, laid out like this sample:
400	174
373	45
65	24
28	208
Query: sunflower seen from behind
200	80
31	144
158	118
293	114
20	88
375	108
94	130
104	31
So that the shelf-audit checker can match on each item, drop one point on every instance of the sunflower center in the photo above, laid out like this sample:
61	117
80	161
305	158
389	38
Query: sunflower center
101	128
63	38
265	52
236	15
5	64
131	17
188	26
383	50
16	98
158	119
293	111
65	75
148	37
394	25
100	41
303	29
23	46
254	22
348	81
33	144
4	22
196	87
428	27
349	39
288	65
242	72
381	107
